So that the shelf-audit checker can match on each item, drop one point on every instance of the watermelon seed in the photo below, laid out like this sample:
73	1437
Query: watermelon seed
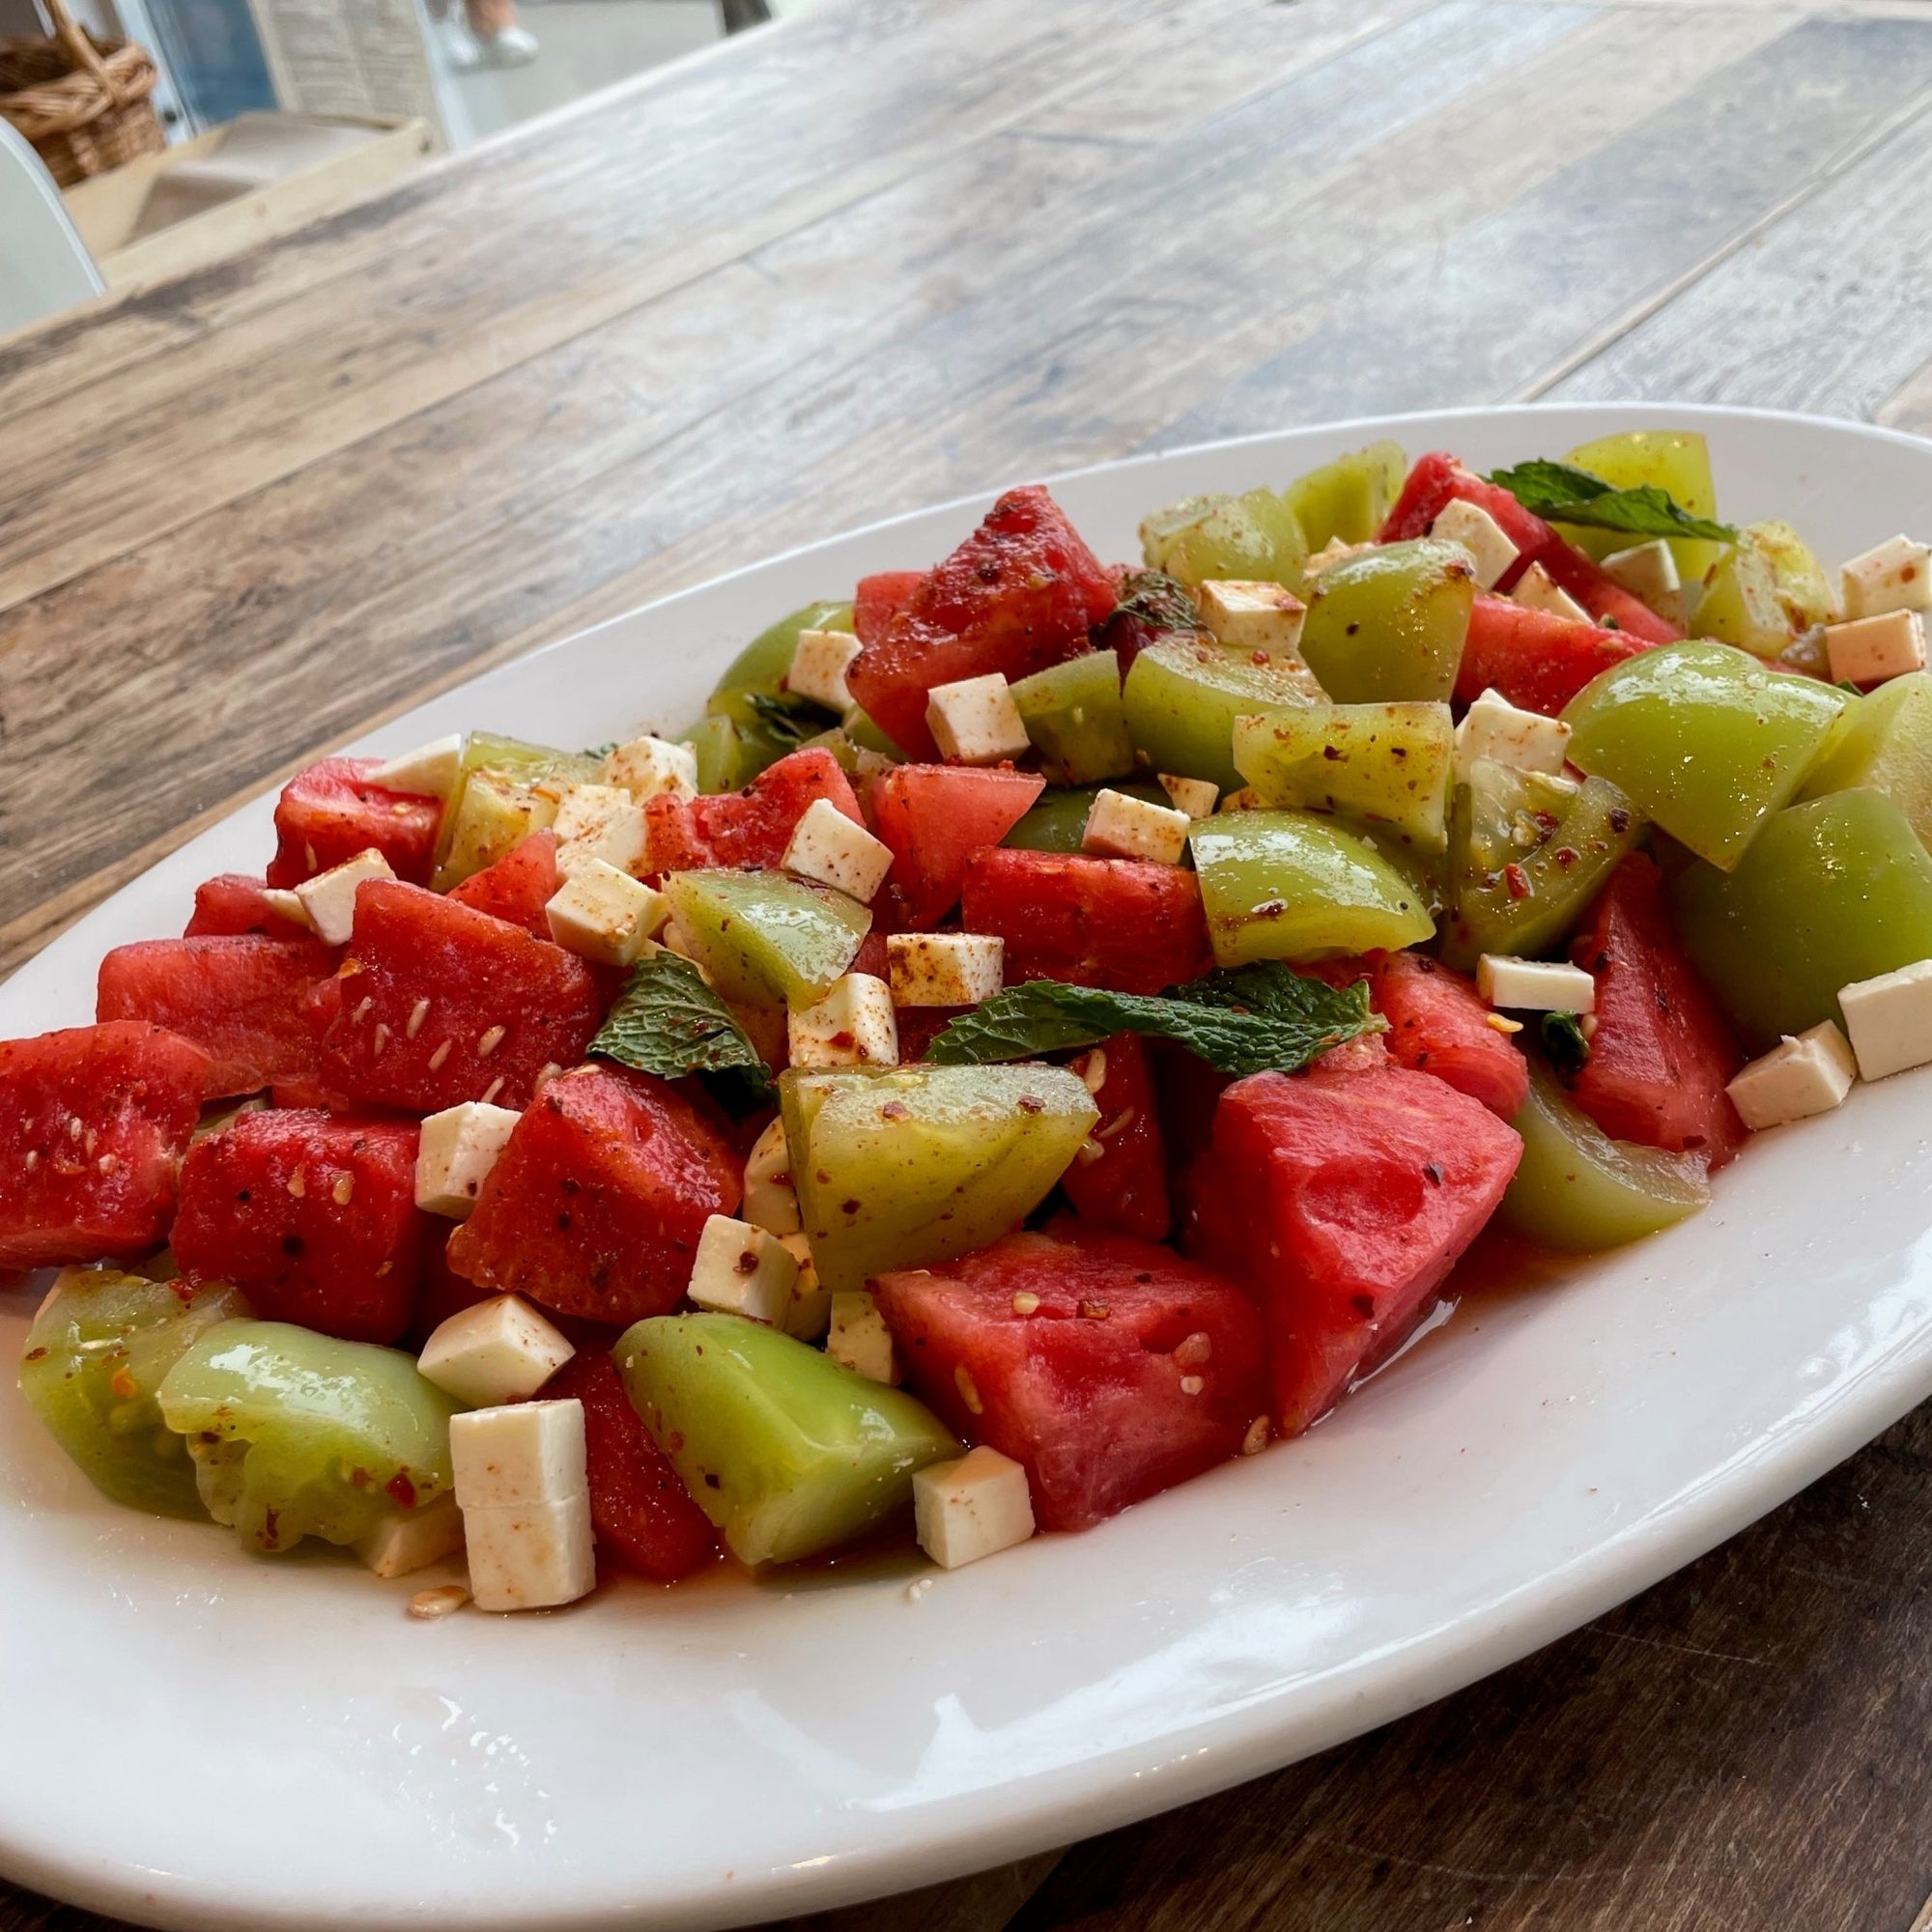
73	1128
437	1058
1089	1151
344	1188
1194	1350
1191	1385
489	1042
1257	1438
362	1011
491	1092
297	1183
308	853
969	1392
108	1163
1025	1302
382	1035
417	1014
32	1159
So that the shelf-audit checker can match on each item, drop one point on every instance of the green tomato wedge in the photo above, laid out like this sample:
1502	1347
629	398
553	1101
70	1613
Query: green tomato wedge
1883	741
1347	501
785	1451
1705	740
1184	694
1254	538
1831	892
96	1355
1073	713
296	1433
494	803
720	758
1388	763
1390	623
1677	461
762	665
1059	820
1293	885
1579	1190
766	940
904	1168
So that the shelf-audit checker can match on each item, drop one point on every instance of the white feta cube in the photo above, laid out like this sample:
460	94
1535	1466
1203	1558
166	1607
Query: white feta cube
494	1351
1479	533
408	1540
530	1556
329	897
852	1026
1535	985
771	1200
1247	799
650	767
975	720
602	914
1332	553
833	850
1811	1074
810	1305
819	667
1895	575
286	903
973	1508
455	1152
598	821
1527	741
430	771
857	1338
1123	827
1253	617
518	1453
1194	796
1890	1019
1868	650
943	969
740	1270
1537	591
1648	571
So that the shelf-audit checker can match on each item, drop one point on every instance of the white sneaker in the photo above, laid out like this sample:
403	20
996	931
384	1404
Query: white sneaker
459	51
511	46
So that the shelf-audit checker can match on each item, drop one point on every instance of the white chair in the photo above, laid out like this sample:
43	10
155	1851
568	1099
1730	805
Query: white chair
45	266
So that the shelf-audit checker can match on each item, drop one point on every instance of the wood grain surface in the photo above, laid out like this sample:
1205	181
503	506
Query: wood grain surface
896	250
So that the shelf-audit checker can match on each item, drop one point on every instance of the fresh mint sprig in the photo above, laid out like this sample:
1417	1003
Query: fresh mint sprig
1560	493
668	1022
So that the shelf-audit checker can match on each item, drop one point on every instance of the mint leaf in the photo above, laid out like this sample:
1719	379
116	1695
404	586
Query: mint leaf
668	1022
787	720
1565	1043
1251	1019
1562	494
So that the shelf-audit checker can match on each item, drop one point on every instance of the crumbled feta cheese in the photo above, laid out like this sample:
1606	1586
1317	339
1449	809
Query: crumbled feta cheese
1890	1019
943	969
858	1339
973	1508
650	767
975	720
1534	985
602	914
1194	796
810	1305
1480	535
530	1556
830	848
1648	571
1537	591
455	1153
1872	649
1895	575
329	897
1811	1074
1526	741
740	1270
1119	826
494	1351
598	821
411	1539
430	771
852	1026
771	1200
1253	617
819	667
518	1453
1332	553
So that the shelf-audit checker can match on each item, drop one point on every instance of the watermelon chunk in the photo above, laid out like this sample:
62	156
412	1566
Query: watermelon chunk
1124	1187
231	903
1019	595
442	1002
935	817
749	827
596	1204
93	1122
331	811
519	886
880	598
1439	1024
1131	1371
313	1217
1344	1195
1537	659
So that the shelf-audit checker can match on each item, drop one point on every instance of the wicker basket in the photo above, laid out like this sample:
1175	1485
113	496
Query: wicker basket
85	105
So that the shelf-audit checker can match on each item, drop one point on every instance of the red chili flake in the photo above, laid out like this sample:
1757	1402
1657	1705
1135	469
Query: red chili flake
401	1490
1620	819
1566	856
894	1110
1032	1103
1518	882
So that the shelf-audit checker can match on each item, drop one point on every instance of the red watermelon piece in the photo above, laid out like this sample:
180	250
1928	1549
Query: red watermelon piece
1440	1024
233	902
330	813
1537	659
880	598
749	827
935	817
1123	1186
519	886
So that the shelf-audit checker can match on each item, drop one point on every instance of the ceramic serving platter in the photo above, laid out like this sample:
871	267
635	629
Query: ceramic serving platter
193	1738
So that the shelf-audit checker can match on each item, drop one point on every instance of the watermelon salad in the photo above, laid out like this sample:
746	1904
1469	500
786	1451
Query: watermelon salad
1049	1028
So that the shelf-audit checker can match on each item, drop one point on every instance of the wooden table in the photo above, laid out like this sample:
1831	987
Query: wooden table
895	251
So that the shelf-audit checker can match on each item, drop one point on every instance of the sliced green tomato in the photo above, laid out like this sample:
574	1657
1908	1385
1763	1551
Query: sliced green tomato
723	762
1676	461
1831	892
1797	578
298	1434
906	1168
762	665
1527	855
1058	821
1706	741
1390	623
1182	696
1294	885
766	735
766	940
1579	1190
866	735
95	1357
1347	501
1074	716
1388	763
1883	741
786	1452
1254	538
496	801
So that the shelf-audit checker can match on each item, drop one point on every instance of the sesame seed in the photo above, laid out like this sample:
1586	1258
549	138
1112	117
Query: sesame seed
489	1042
382	1038
969	1392
427	1606
1257	1438
1024	1303
343	1190
437	1058
417	1014
495	1088
1191	1386
297	1183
